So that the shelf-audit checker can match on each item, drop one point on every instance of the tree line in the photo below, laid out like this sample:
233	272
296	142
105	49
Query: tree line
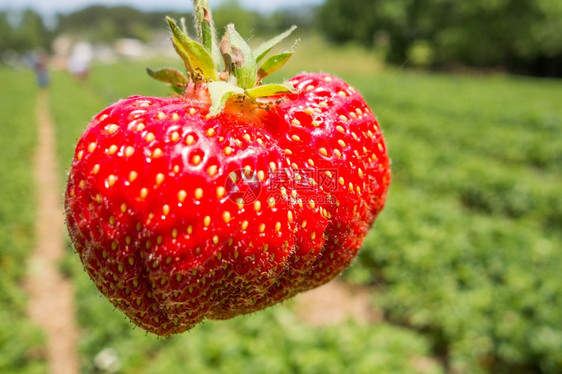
104	24
521	36
27	34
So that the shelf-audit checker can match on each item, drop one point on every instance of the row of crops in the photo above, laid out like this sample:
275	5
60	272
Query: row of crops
21	343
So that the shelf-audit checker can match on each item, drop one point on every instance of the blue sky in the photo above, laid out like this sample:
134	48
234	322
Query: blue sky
49	7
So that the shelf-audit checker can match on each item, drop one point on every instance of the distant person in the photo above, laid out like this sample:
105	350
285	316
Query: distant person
40	66
79	61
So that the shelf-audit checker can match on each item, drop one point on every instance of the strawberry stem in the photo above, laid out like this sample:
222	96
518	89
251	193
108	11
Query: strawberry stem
206	29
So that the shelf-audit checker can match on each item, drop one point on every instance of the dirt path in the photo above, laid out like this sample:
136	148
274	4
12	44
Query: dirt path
51	303
335	303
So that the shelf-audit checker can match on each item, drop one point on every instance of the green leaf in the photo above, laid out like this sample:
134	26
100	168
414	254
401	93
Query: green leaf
239	58
273	63
220	92
170	76
206	29
196	58
270	90
264	49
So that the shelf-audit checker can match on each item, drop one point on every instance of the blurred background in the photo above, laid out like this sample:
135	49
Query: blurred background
461	272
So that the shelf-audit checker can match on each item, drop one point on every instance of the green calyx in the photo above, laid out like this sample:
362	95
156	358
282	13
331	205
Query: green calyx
229	69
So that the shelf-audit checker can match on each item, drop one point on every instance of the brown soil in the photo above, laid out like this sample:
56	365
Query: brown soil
334	303
51	303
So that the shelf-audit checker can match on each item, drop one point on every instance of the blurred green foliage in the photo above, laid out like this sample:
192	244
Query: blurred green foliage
106	24
470	241
524	36
519	36
27	34
21	343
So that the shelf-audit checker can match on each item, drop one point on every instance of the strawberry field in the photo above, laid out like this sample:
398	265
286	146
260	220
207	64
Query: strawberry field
463	265
21	343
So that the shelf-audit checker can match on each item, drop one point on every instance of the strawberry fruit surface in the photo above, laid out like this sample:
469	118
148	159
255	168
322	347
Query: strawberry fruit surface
226	199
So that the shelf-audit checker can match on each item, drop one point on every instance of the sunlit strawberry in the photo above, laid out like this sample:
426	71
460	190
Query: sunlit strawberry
230	197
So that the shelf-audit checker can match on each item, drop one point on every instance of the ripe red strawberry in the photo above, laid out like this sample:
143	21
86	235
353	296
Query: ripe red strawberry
221	202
